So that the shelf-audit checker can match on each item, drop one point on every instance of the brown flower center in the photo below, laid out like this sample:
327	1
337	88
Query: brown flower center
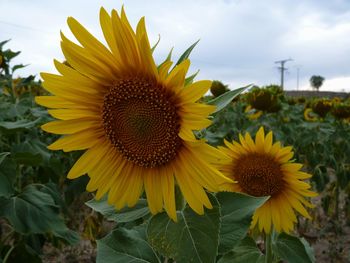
258	175
141	121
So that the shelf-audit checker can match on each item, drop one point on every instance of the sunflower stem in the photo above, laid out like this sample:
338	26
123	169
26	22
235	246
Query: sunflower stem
179	199
268	248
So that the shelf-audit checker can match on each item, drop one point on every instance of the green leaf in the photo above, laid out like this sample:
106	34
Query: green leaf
52	189
14	68
187	53
245	252
35	212
32	152
9	54
123	245
122	216
3	156
14	126
236	215
168	58
7	177
27	158
293	249
2	43
223	100
156	44
194	238
190	79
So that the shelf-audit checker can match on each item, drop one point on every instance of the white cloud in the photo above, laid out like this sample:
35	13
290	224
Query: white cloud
240	40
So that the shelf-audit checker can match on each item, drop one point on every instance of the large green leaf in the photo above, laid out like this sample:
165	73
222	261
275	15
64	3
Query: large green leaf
34	212
293	249
223	100
7	176
194	238
122	216
124	245
236	215
245	252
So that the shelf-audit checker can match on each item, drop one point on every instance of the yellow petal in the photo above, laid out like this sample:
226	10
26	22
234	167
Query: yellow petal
186	190
72	76
146	56
126	41
85	63
111	176
260	140
88	160
70	114
164	69
268	142
95	47
135	187
56	85
195	91
70	126
78	141
153	187
107	28
250	142
168	191
176	78
55	102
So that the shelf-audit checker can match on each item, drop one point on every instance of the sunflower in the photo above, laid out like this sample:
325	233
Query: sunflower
252	114
133	119
309	116
262	168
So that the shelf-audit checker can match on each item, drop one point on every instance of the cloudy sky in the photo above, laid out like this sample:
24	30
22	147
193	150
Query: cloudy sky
239	39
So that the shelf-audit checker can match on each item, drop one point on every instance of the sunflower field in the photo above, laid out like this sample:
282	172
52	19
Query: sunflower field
117	158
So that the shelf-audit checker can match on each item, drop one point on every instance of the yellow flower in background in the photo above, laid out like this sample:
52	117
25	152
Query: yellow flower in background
252	114
134	120
309	116
264	168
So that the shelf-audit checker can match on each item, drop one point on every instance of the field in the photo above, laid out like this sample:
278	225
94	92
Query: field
45	217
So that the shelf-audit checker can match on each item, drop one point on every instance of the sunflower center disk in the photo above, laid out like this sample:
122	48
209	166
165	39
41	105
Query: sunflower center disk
259	175
141	121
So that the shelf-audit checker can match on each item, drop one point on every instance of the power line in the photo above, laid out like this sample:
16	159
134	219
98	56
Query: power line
282	69
24	27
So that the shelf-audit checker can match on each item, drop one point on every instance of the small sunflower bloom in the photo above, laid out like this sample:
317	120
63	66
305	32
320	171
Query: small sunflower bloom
309	115
134	120
264	168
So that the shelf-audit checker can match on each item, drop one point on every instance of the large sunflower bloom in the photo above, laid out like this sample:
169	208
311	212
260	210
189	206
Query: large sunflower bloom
134	120
262	168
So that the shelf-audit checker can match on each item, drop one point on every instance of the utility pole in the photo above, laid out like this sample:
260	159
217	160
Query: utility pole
298	69
282	69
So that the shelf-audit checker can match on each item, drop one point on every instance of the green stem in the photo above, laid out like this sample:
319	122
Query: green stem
268	248
337	201
8	254
179	199
19	177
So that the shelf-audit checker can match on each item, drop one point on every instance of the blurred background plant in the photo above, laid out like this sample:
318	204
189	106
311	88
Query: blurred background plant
36	200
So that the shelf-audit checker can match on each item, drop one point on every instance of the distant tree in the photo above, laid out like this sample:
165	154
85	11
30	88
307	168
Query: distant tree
316	81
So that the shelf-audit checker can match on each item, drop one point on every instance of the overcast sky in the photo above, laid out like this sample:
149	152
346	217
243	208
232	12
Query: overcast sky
240	39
